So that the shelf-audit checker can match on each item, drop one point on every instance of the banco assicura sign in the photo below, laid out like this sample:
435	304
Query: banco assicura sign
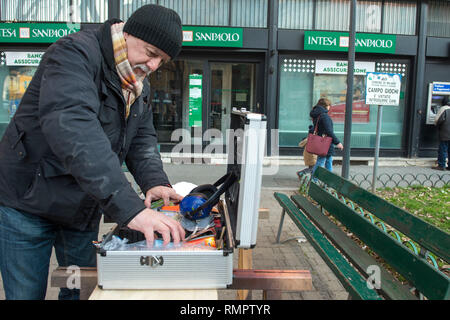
212	37
339	41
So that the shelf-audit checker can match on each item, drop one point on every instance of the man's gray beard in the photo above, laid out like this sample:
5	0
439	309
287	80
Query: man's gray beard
143	68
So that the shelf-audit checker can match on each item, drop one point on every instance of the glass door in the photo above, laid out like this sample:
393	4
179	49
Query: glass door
16	72
192	95
232	85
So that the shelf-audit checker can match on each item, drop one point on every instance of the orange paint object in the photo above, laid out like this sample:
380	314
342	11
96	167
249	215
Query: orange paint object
171	208
209	241
215	210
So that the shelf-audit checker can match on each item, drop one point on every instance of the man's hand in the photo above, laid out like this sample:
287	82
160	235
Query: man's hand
161	192
148	221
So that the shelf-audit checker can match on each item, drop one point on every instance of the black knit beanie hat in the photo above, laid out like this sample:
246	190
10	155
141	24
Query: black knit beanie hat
158	26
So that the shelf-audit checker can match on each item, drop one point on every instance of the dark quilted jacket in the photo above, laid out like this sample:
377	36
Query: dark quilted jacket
325	126
61	155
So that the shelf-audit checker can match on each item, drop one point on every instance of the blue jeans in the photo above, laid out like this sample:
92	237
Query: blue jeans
26	243
325	162
444	154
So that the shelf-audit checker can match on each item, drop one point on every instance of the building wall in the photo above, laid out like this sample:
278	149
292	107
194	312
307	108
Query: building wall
274	30
437	69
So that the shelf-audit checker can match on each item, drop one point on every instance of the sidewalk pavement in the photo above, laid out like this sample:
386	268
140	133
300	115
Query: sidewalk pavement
290	253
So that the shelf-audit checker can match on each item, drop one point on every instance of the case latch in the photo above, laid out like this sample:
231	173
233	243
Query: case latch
152	261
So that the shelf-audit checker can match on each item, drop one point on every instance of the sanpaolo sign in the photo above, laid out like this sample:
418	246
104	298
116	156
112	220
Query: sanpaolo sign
35	32
339	41
212	37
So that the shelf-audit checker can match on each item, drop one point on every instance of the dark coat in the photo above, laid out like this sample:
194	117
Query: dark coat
61	155
443	124
325	126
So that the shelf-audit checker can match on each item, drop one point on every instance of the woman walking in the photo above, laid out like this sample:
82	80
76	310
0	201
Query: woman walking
320	117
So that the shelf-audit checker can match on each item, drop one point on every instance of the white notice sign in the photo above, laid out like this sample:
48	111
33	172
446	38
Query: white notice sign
15	58
340	67
383	88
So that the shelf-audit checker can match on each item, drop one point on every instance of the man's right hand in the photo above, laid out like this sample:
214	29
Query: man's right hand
148	221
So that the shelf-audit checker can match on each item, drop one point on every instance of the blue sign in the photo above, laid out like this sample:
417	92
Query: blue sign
441	87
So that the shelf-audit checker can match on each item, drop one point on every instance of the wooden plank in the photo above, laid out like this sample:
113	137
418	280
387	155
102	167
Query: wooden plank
272	282
428	280
245	261
194	295
87	276
429	236
349	277
263	213
286	280
390	287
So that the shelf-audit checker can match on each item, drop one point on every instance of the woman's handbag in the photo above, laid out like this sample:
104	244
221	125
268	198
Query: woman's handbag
317	144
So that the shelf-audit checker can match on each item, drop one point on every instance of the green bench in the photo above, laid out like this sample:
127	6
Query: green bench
404	242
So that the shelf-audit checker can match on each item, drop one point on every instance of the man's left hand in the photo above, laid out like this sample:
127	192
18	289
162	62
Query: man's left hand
161	192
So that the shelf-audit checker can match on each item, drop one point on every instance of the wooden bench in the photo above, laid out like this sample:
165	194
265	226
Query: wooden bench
401	241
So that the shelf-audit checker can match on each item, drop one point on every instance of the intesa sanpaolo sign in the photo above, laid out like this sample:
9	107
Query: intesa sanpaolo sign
34	32
339	41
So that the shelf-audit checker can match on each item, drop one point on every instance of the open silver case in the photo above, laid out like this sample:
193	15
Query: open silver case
238	211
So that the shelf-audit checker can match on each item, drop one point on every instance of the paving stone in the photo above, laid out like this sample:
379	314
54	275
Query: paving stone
311	295
339	295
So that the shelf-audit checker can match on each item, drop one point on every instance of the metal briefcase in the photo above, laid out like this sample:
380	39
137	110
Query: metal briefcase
193	269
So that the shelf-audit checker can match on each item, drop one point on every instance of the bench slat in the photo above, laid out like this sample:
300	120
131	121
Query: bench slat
429	236
390	287
349	277
431	282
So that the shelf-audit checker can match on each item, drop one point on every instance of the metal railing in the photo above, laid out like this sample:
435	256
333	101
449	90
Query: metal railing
386	180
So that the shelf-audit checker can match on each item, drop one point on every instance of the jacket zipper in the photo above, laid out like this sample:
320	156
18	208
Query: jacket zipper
117	90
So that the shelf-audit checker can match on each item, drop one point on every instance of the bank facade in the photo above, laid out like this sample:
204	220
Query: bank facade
277	57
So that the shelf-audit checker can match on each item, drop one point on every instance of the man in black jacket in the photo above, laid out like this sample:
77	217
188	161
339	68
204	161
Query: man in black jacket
442	121
85	112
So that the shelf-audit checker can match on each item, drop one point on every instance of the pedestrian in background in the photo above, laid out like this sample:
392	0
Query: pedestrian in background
320	117
442	121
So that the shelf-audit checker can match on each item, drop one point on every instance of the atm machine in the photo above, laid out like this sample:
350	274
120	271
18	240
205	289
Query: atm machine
438	93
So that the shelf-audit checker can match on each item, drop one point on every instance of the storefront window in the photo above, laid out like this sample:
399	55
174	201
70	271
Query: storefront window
234	13
232	86
438	23
170	94
14	80
51	10
180	99
304	81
